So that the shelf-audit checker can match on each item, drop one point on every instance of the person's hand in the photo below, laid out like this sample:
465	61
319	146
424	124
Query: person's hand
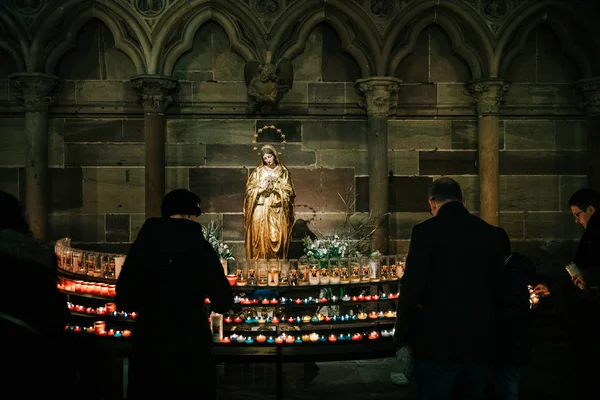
579	281
541	290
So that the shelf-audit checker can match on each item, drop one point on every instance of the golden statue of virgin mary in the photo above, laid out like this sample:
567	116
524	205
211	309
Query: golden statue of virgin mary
269	208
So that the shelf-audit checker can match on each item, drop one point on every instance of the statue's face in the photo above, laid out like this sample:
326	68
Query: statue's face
384	269
251	273
393	269
336	272
314	272
269	160
356	270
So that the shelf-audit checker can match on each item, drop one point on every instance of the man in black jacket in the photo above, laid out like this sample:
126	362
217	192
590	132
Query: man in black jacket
450	294
584	203
169	271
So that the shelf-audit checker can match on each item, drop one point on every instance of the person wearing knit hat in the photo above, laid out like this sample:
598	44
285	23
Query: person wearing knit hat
169	271
181	202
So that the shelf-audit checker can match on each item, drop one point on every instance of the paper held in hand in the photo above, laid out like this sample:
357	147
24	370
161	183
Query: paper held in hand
573	270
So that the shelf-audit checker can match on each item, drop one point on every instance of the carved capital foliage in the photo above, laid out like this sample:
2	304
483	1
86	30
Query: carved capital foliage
589	90
488	95
154	92
35	91
377	92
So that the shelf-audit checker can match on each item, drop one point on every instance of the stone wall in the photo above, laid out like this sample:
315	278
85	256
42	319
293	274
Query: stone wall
97	151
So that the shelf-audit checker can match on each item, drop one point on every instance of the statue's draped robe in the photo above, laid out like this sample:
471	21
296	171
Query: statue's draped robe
269	214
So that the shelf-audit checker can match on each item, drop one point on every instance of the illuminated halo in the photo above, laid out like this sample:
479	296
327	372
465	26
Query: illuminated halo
269	127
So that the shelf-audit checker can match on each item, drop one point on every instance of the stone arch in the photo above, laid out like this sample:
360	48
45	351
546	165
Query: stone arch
17	47
459	46
569	46
128	34
15	55
182	23
311	14
443	14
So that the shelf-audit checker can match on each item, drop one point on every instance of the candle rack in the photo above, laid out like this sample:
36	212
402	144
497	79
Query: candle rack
332	321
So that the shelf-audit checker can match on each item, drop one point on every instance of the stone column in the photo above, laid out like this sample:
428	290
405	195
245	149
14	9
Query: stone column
35	92
155	96
589	89
378	92
488	96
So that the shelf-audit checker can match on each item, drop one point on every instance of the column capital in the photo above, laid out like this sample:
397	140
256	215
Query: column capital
488	95
589	90
377	91
35	91
154	92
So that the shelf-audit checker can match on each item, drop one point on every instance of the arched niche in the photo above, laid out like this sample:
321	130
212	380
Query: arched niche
7	65
433	60
539	57
95	56
338	65
210	57
323	59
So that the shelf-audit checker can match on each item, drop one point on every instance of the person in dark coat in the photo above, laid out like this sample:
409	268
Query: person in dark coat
584	204
33	312
514	321
450	293
169	271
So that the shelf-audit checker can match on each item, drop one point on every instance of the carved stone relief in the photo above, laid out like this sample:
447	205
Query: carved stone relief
27	7
35	91
589	90
378	93
267	7
488	96
154	92
267	84
150	8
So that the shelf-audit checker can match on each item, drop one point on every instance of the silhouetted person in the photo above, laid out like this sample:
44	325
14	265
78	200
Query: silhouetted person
169	271
33	313
584	204
514	321
449	297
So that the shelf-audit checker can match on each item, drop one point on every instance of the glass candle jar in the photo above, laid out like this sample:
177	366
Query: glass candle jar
365	271
242	272
393	273
273	272
92	264
263	272
401	265
355	270
284	271
384	270
252	273
344	264
303	271
334	271
374	267
77	261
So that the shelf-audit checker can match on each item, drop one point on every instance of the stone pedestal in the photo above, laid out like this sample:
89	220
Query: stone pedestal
488	97
378	101
589	89
155	96
36	92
